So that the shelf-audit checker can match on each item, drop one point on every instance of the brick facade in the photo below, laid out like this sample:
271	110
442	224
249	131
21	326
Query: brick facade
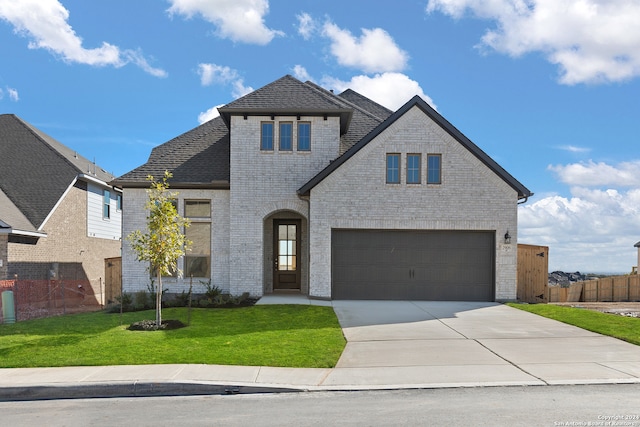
4	256
135	274
264	184
67	247
356	195
347	192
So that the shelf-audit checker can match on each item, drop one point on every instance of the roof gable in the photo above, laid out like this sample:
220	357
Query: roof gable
36	170
417	101
288	96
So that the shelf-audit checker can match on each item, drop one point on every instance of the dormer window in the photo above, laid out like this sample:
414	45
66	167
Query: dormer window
266	136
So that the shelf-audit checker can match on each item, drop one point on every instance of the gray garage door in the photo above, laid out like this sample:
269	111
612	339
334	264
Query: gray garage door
413	265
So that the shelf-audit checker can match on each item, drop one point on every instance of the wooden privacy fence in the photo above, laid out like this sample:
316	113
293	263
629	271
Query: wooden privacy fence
608	289
45	298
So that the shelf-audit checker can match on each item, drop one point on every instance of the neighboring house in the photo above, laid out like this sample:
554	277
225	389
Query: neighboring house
58	216
637	245
295	189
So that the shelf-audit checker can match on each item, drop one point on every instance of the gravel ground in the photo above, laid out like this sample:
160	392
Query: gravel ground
629	309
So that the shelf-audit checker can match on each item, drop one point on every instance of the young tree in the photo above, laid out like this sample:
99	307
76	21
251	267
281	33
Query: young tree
164	242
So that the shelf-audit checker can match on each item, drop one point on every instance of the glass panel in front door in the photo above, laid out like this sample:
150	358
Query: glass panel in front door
287	248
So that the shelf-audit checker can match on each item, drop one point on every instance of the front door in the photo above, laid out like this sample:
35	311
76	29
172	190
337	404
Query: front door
286	249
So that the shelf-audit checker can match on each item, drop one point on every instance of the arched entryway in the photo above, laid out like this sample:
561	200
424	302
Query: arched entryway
286	255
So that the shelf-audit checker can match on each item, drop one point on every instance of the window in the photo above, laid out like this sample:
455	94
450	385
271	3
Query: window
393	168
197	208
413	168
197	261
304	136
106	204
286	136
434	169
119	202
266	136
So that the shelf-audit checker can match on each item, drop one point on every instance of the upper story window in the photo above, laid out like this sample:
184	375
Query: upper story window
106	204
266	136
413	168
118	201
304	136
393	168
286	136
434	169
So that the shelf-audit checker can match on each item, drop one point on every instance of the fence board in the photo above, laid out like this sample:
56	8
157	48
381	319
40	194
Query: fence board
634	288
575	292
605	289
621	288
590	291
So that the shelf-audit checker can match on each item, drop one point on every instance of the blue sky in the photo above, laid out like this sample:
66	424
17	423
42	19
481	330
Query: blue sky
549	88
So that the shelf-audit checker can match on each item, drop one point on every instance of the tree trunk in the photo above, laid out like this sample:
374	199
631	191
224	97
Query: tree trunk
159	301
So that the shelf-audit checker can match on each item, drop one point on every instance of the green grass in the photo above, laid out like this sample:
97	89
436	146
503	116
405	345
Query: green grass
266	335
621	327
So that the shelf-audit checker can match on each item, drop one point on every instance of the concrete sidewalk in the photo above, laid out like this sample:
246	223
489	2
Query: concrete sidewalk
390	345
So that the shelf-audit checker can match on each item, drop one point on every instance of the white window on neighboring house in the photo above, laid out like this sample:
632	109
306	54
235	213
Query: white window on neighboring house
106	209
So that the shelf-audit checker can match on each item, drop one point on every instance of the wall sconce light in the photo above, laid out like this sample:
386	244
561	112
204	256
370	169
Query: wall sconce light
507	238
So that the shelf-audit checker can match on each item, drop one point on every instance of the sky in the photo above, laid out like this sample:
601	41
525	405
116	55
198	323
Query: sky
550	89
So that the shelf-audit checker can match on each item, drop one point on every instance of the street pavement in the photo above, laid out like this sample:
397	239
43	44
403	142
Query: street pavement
390	345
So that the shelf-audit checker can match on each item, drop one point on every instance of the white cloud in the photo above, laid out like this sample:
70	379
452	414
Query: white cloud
13	94
213	73
374	51
574	149
600	174
44	22
306	25
389	89
301	73
592	41
237	20
210	114
592	231
595	229
221	74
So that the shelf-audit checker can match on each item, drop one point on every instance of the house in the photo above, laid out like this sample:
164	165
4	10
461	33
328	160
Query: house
58	216
637	245
295	189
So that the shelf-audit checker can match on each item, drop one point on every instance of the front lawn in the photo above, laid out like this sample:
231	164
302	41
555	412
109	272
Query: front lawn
621	327
263	335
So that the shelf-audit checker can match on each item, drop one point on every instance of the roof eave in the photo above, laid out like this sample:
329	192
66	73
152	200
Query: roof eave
213	185
345	114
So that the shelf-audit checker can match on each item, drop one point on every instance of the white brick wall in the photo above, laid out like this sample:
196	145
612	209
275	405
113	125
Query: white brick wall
135	274
356	195
264	183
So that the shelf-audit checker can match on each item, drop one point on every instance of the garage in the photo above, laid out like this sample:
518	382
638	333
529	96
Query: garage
413	265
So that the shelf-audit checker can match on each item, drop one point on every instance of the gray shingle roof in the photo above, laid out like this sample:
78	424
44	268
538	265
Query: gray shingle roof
199	157
288	95
35	169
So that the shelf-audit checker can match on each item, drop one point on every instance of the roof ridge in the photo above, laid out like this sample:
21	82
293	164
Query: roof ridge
368	99
40	138
345	102
58	148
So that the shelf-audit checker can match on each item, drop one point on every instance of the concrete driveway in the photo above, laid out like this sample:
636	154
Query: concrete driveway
438	344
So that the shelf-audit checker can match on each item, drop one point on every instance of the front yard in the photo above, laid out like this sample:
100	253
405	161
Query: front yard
267	335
